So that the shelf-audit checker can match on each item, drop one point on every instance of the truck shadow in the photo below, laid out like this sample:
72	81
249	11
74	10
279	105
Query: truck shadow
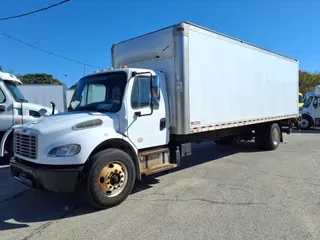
201	153
4	160
33	206
310	131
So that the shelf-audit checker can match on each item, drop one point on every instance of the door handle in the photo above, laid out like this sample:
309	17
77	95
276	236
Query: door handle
2	108
162	123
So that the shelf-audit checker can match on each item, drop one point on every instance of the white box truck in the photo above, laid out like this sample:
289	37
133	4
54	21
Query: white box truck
167	89
15	110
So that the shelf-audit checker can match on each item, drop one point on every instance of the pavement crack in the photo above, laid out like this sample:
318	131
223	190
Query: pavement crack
45	225
20	194
199	200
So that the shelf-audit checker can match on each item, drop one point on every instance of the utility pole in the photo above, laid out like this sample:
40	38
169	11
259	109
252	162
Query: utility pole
84	69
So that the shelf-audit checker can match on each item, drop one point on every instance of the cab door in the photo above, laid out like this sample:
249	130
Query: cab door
315	110
6	108
147	126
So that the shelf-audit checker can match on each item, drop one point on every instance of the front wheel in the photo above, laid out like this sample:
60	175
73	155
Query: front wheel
109	178
305	123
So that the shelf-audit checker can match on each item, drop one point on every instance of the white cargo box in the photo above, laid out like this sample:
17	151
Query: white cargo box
44	94
214	81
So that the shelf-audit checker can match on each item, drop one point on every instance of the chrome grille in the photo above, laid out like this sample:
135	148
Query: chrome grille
25	145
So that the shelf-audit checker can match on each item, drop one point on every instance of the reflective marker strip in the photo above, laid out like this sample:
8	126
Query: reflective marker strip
210	127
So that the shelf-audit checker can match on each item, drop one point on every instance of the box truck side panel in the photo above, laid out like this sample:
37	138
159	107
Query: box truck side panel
231	81
157	45
44	94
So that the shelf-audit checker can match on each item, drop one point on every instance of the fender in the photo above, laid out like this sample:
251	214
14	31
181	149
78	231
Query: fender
307	114
123	143
4	139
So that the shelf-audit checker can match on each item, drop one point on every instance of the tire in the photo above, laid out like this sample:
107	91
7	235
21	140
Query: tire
109	178
306	123
225	141
268	137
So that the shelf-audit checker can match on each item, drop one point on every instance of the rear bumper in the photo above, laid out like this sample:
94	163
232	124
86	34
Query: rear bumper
46	177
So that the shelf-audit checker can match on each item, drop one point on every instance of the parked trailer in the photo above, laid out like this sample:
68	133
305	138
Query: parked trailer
168	89
45	94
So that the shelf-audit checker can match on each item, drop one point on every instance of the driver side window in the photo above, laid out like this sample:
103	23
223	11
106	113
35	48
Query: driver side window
141	96
316	102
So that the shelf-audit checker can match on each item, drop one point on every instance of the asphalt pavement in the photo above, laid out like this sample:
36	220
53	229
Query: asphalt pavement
219	193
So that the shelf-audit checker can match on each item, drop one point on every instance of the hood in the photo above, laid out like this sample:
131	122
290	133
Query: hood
44	111
64	122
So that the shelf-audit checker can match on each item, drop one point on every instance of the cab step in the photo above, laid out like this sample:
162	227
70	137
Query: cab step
157	169
155	160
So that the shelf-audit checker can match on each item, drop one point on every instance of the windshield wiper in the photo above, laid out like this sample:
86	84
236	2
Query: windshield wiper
85	108
21	100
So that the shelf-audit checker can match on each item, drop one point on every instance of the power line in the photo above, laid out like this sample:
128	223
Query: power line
35	11
48	52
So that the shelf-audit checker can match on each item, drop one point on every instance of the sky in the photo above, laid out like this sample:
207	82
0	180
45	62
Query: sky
84	30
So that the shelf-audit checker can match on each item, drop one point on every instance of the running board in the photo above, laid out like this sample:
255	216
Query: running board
157	169
155	160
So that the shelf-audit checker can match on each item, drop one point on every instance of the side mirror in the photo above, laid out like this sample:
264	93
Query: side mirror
53	107
155	92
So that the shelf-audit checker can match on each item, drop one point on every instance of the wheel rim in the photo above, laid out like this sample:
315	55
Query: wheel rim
275	136
113	178
304	123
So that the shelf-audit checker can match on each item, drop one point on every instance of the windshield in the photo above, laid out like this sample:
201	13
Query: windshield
308	101
101	92
15	92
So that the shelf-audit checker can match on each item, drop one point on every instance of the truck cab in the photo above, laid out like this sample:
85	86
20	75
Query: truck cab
311	110
14	108
124	97
118	119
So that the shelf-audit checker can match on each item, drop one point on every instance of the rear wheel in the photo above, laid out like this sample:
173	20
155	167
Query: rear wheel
268	137
109	178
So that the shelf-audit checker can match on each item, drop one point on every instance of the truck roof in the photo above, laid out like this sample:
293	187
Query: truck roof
123	69
207	29
9	77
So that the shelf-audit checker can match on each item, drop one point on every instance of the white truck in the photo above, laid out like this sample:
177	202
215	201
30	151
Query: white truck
167	89
15	109
311	110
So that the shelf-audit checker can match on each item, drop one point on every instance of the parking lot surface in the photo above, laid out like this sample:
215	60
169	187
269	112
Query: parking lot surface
219	193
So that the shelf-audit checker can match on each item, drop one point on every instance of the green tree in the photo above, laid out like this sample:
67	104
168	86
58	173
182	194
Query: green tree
307	81
73	86
39	78
0	68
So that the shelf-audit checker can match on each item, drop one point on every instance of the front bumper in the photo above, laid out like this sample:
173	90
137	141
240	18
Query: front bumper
46	177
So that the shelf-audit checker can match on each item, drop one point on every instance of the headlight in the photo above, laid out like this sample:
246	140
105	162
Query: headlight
65	151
